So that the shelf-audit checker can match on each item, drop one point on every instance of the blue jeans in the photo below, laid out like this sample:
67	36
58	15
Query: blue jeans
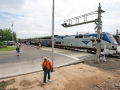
45	74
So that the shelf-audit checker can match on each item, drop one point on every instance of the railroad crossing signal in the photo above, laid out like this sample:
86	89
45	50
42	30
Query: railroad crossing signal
69	22
98	22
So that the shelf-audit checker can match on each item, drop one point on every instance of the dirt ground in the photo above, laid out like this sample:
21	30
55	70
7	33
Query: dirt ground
80	76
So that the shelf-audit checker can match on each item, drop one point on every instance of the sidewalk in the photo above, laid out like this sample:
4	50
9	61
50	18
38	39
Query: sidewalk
74	77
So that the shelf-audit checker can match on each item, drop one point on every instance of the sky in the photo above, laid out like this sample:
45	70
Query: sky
33	18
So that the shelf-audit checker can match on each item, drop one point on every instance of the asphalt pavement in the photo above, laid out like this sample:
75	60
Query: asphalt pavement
30	59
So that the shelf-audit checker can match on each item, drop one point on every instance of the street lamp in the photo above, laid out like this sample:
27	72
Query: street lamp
53	36
12	33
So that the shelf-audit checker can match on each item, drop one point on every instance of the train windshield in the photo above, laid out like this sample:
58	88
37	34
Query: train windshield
111	38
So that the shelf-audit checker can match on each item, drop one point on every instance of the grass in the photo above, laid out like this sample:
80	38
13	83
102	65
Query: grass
5	84
8	48
2	83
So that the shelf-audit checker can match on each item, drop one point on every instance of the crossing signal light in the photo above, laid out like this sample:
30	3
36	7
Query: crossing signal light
64	24
98	40
93	40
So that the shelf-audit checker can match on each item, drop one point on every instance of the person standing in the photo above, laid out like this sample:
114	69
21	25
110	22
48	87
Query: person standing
39	45
17	50
19	45
47	66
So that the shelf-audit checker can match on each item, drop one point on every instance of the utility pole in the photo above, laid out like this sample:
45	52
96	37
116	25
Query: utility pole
12	34
99	27
117	32
53	36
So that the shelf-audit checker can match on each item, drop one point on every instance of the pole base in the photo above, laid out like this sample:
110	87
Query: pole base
52	70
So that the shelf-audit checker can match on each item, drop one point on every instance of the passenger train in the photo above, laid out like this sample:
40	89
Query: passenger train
86	41
81	41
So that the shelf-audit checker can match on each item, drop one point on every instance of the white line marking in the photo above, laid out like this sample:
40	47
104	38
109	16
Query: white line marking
68	56
76	59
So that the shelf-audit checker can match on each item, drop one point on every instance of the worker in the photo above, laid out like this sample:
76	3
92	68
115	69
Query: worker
46	66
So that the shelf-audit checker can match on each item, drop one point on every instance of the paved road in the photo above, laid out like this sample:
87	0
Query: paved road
30	60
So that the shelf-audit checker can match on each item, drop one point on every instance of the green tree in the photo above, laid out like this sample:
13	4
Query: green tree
1	35
1	43
7	35
14	36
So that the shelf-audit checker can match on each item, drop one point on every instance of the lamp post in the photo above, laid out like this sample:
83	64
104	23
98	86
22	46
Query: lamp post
12	33
53	36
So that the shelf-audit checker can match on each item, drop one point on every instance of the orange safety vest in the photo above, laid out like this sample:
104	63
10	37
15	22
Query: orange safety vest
48	64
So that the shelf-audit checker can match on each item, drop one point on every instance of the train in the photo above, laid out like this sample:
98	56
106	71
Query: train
81	41
117	38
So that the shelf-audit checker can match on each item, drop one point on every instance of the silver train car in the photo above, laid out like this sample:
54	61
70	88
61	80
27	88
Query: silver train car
81	41
87	41
45	41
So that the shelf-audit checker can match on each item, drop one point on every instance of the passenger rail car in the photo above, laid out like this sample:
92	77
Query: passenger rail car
45	41
86	41
81	41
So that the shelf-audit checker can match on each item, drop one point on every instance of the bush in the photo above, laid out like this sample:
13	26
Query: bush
1	43
4	46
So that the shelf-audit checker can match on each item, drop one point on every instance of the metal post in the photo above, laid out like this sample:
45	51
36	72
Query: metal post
84	18
12	33
98	34
53	36
39	40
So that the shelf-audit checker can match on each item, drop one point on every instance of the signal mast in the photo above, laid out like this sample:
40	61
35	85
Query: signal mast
98	28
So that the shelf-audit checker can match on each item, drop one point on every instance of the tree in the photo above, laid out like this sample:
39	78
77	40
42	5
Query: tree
7	35
14	36
1	35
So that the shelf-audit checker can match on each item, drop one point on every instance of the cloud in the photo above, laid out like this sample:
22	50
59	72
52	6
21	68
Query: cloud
34	18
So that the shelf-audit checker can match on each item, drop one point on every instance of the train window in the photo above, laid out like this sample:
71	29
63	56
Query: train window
101	35
59	42
46	38
86	36
76	36
80	36
109	35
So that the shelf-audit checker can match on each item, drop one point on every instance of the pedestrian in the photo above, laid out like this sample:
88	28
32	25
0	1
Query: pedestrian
39	45
19	45
17	50
47	66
